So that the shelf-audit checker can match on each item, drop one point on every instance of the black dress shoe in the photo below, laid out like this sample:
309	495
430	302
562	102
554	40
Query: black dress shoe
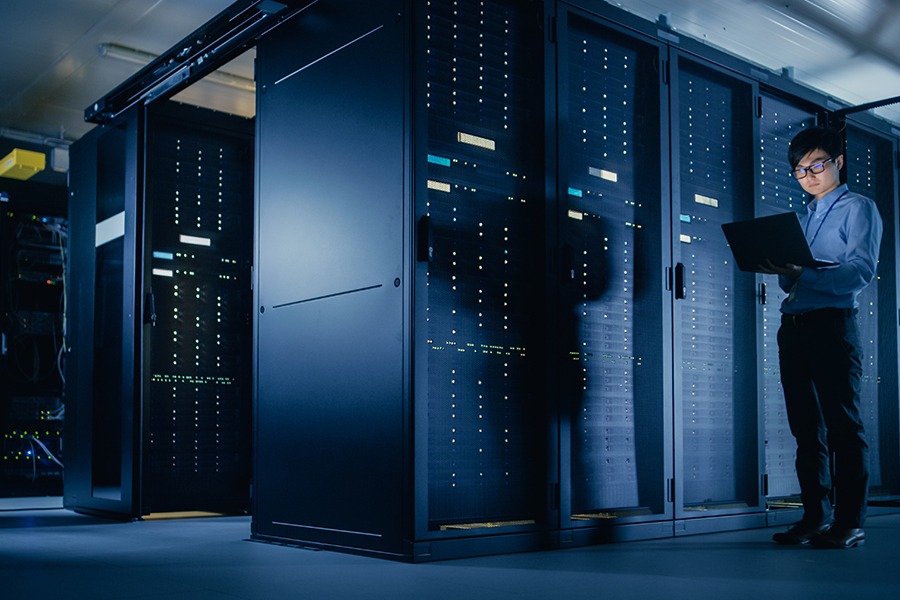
840	537
801	533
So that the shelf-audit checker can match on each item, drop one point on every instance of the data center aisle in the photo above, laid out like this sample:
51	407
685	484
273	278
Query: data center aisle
55	554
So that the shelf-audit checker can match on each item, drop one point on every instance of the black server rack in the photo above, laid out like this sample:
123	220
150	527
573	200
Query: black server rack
159	376
33	240
399	407
717	423
481	308
780	120
331	460
197	394
616	424
871	171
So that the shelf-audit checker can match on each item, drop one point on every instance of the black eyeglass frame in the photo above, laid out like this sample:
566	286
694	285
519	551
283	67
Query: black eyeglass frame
815	169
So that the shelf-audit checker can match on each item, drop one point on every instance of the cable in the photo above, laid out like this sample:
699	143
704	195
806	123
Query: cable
63	233
47	450
33	461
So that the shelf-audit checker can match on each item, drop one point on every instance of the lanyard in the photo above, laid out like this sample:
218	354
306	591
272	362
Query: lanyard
822	222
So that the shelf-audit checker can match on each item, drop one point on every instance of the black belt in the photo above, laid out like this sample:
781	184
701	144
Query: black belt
820	315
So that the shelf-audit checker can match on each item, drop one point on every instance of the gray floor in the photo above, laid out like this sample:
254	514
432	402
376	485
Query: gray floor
49	553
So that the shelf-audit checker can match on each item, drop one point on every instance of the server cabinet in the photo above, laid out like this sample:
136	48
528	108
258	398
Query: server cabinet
718	461
871	171
196	378
482	456
616	434
332	459
779	121
34	234
158	372
399	226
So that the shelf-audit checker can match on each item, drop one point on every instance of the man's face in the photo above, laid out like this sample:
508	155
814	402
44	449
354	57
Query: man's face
819	184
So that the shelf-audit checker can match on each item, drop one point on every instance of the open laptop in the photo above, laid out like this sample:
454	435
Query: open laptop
778	238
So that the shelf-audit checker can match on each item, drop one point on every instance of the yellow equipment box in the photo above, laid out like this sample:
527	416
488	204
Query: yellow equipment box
22	164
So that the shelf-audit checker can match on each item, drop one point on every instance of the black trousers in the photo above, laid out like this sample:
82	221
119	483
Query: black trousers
821	369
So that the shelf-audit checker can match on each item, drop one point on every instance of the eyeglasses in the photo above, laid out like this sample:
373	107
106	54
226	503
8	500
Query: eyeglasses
814	169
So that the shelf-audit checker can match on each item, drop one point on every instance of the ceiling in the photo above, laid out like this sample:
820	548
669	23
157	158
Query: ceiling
59	56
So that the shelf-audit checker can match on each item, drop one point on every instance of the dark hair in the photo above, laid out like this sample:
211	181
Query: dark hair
815	138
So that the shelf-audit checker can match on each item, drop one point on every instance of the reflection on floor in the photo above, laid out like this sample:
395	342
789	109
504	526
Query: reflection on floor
47	553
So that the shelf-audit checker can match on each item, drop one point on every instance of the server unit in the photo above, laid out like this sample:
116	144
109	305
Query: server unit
159	376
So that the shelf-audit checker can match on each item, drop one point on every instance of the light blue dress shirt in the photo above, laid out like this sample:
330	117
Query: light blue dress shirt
842	227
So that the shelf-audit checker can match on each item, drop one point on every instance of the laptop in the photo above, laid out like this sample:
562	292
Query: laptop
778	238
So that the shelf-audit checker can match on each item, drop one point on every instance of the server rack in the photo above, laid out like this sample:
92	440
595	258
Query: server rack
716	412
331	458
871	171
616	424
34	234
480	294
158	381
780	120
420	377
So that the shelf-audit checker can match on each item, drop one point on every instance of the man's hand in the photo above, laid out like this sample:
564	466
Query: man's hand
788	270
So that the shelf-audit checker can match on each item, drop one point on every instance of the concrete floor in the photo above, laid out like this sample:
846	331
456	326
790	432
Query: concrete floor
53	554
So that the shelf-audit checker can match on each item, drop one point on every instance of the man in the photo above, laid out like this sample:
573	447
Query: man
818	342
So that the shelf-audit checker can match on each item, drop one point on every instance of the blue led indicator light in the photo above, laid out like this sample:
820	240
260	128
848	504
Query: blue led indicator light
438	160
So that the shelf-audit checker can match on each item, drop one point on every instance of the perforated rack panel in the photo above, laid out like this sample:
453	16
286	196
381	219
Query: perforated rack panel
197	446
717	317
779	123
869	167
485	205
611	232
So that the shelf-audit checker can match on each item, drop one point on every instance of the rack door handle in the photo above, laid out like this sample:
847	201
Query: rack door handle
680	287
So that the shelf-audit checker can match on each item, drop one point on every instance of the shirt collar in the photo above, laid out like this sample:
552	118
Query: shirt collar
828	200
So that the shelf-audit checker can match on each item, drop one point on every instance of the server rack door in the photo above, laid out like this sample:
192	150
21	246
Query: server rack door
779	122
102	427
616	424
871	171
196	405
717	425
481	466
331	440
